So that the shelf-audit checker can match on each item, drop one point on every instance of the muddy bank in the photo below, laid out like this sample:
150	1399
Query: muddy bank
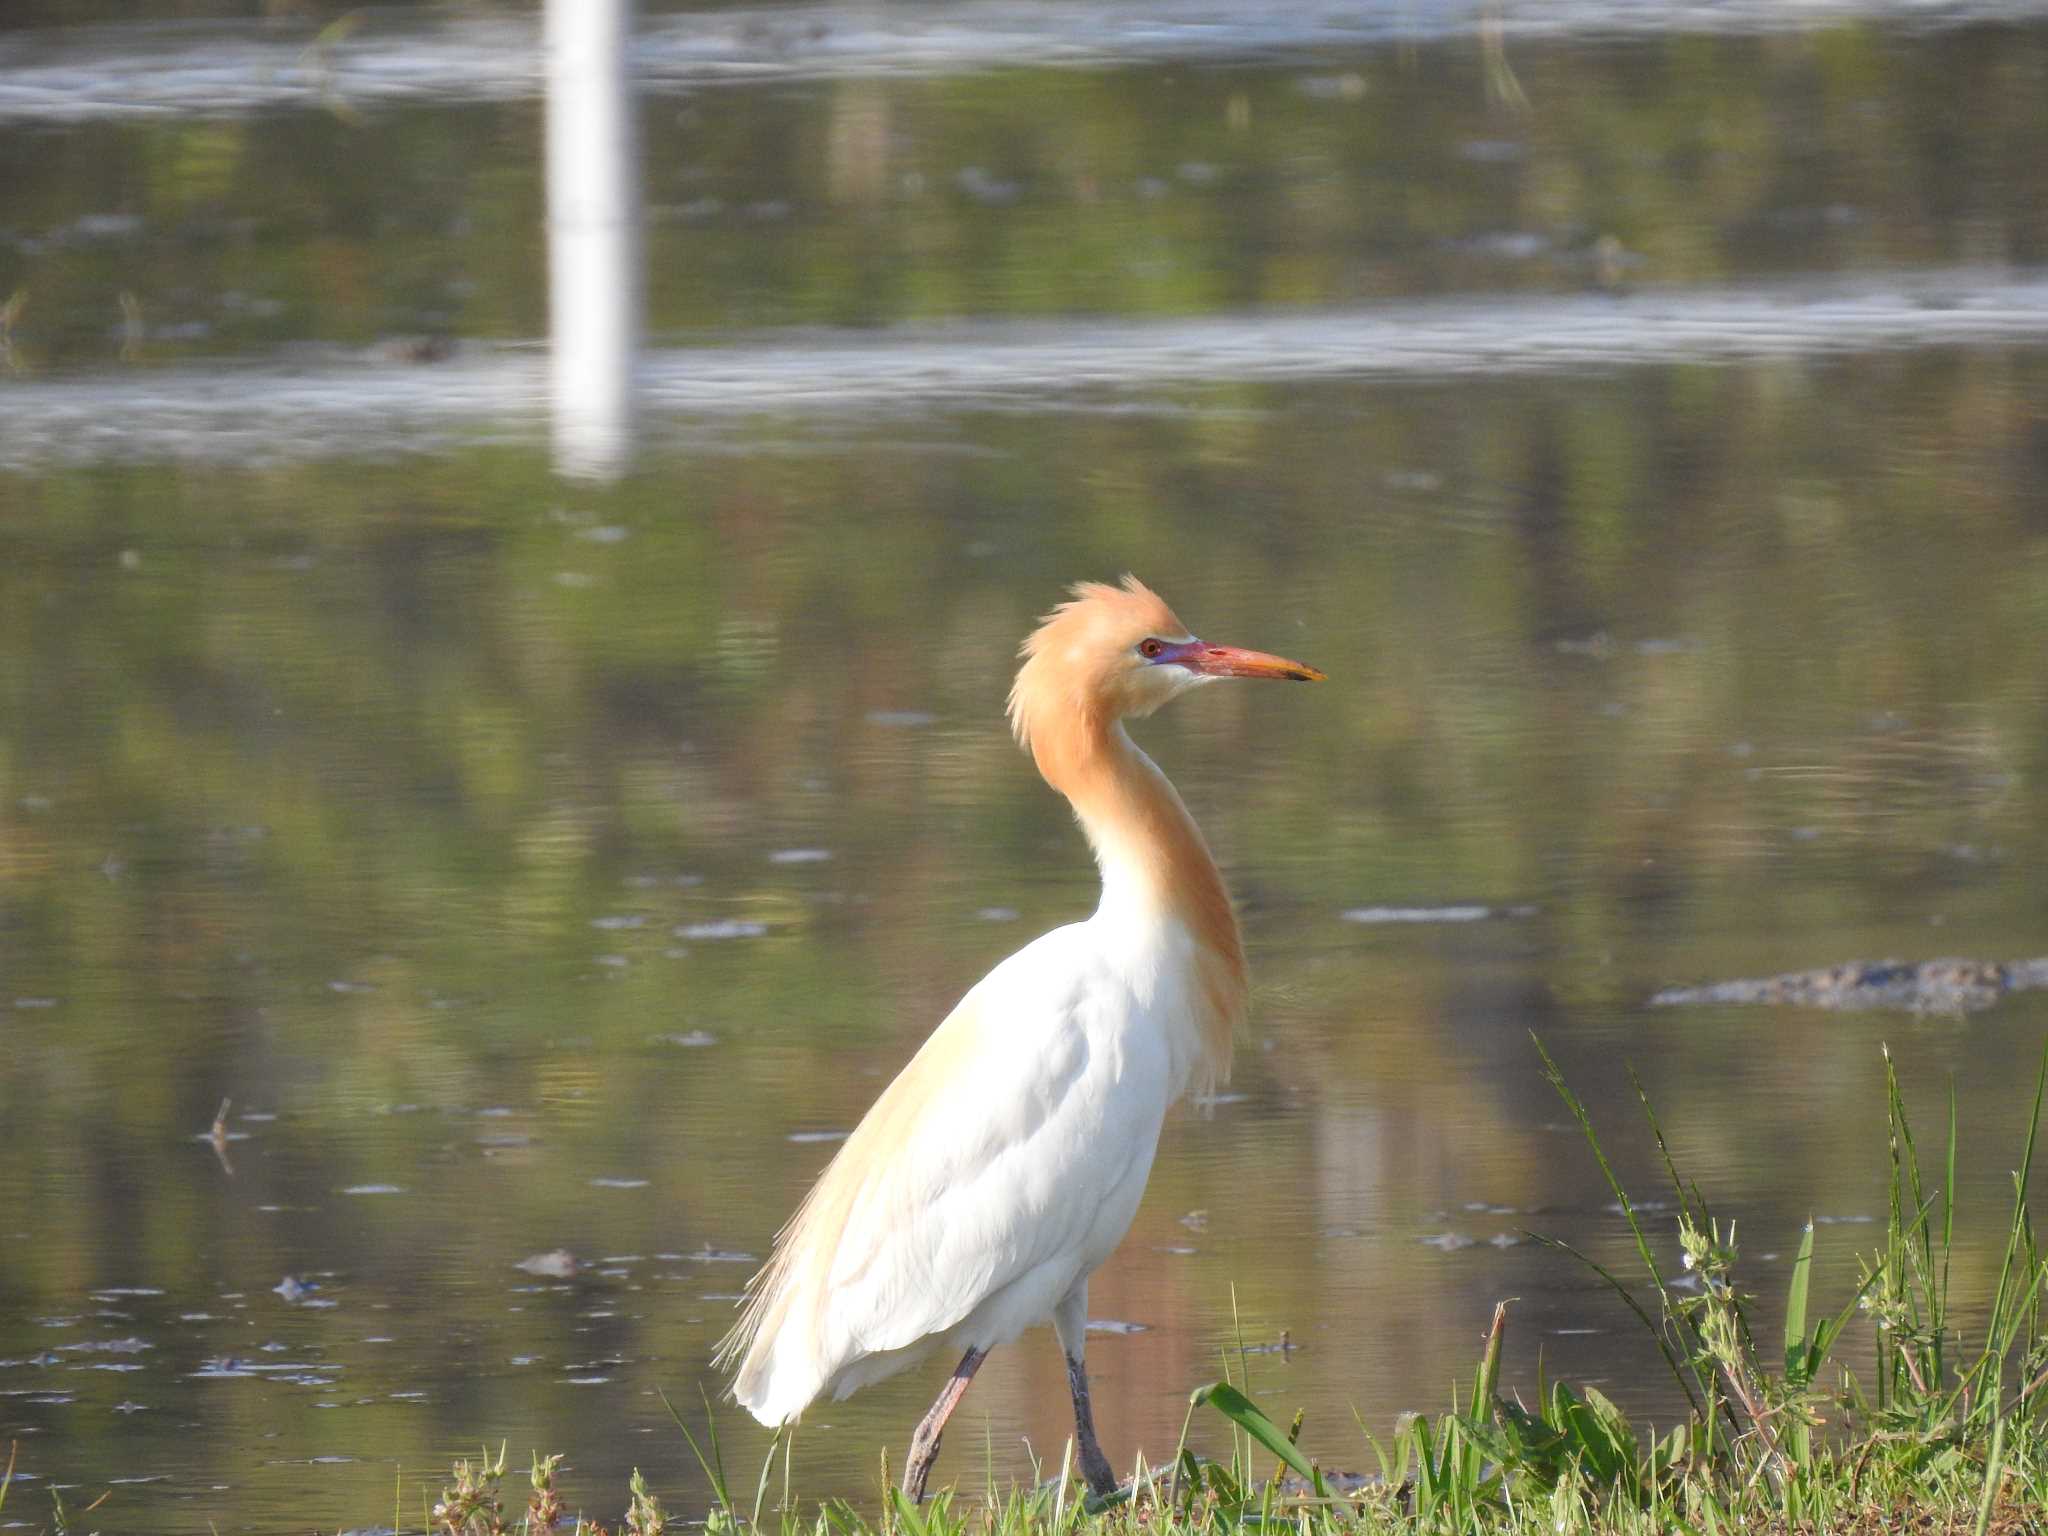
1930	986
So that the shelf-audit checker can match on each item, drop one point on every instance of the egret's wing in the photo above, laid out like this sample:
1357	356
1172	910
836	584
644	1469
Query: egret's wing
989	1155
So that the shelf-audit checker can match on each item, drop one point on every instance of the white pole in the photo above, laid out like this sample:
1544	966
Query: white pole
593	234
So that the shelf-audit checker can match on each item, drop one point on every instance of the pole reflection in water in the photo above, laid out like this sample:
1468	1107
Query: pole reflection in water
593	235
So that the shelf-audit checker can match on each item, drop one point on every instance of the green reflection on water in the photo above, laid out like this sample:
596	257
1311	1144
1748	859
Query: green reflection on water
1140	190
409	803
380	798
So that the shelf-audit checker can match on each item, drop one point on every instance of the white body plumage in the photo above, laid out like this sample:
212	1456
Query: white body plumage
1002	1200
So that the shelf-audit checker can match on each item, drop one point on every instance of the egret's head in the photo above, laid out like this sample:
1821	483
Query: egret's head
1109	652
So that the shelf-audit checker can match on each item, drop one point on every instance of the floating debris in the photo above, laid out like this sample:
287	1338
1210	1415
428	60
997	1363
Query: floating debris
1454	913
218	1136
293	1289
1284	1345
1116	1325
130	1346
693	1039
803	1138
374	1189
724	928
1930	986
800	856
555	1264
225	1368
603	1183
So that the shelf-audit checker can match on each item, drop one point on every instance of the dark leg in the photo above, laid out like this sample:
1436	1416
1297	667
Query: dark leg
924	1445
1094	1465
1070	1322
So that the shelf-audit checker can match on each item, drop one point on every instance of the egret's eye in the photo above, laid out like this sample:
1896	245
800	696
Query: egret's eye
1151	650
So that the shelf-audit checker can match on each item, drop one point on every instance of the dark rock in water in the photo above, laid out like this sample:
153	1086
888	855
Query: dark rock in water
1930	986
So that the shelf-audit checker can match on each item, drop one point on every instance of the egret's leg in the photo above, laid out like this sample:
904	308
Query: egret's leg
1070	1321
924	1445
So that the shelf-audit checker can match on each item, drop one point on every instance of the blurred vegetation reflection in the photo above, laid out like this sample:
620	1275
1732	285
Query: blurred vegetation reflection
541	867
1133	191
500	839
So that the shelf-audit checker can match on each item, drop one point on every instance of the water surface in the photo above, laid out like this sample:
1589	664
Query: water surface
546	865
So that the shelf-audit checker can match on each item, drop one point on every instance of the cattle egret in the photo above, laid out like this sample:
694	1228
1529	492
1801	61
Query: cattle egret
1006	1161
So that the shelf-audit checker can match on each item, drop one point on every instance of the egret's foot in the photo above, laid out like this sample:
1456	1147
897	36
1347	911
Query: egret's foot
1094	1465
1095	1468
917	1471
924	1445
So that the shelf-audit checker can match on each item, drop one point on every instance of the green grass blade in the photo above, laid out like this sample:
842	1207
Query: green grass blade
713	1465
1994	1470
1555	1077
1247	1415
906	1512
1948	1203
1689	1201
2021	1232
1795	1307
1628	1298
761	1487
1487	1385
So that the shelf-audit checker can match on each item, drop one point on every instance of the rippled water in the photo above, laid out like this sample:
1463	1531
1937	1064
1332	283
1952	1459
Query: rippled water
547	872
323	405
387	57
